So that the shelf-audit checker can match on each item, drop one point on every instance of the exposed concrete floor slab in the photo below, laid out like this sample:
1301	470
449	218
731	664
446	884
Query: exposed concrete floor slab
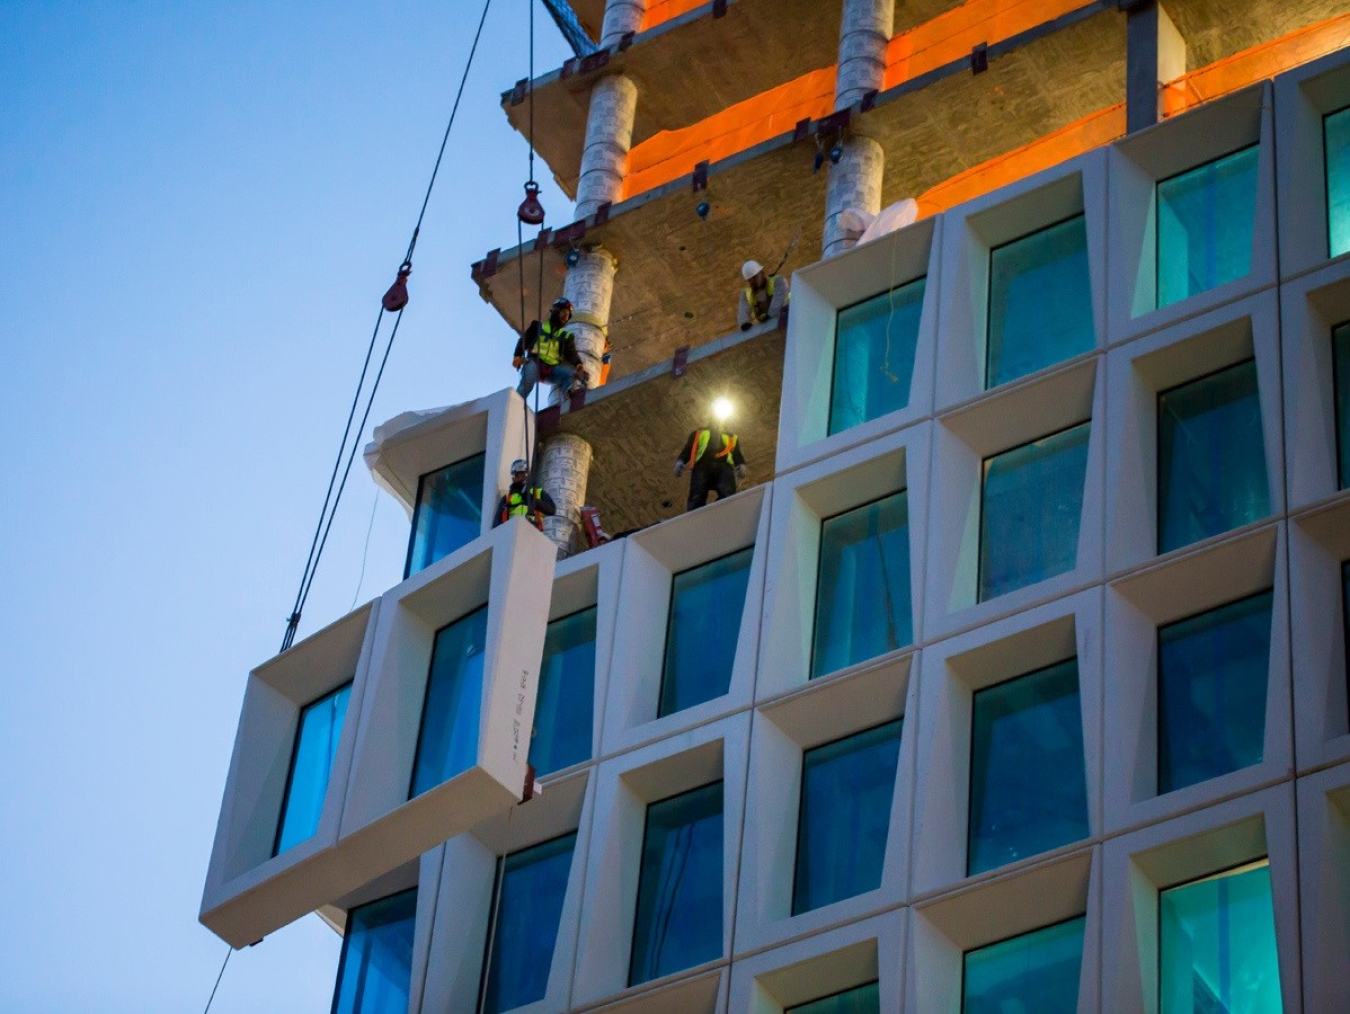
1214	29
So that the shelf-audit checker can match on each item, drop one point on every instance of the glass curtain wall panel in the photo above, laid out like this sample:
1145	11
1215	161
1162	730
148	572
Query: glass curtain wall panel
527	907
1340	355
678	923
844	815
449	512
316	742
1037	971
1040	302
1031	501
704	625
1345	618
1028	784
1211	457
564	709
1216	940
859	1000
874	347
447	743
375	970
1336	135
1206	219
862	585
1212	674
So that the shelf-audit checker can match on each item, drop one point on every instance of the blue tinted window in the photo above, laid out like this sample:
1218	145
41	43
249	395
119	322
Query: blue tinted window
1206	218
566	702
859	1000
531	885
705	623
874	346
1340	348
1040	302
1212	675
844	816
449	512
1028	788
1345	611
862	588
375	971
1217	944
1337	136
1031	503
316	742
1037	971
447	743
679	900
1211	457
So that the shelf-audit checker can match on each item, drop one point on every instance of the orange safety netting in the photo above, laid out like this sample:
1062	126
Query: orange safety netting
660	11
1092	131
1256	64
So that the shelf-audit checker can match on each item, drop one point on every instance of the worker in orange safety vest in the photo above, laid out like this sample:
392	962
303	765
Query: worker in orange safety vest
715	461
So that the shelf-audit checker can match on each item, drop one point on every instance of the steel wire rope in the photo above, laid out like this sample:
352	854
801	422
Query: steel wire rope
330	500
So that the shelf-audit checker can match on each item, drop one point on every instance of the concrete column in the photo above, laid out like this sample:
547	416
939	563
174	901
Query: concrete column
1155	54
609	135
621	17
854	183
863	35
590	287
564	466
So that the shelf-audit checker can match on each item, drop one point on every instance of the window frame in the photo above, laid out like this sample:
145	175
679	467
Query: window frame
837	993
426	696
1339	421
417	506
346	939
1326	175
295	751
1003	940
834	352
595	675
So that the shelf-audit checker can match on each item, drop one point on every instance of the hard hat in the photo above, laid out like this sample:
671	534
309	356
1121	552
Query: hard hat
751	268
519	465
562	303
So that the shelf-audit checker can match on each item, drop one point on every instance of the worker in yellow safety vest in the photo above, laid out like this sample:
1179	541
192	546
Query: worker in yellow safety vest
715	461
548	351
764	296
523	501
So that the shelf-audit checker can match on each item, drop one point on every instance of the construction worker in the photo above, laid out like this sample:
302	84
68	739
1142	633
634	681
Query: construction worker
714	460
764	296
520	501
549	352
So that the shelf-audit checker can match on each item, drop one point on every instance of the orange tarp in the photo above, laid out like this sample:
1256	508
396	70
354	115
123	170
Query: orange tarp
1092	131
951	36
1256	64
660	11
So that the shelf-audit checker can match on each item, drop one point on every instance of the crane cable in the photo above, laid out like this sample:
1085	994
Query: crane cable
331	499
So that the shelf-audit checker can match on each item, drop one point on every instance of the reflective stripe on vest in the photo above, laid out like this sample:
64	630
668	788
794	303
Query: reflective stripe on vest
548	346
750	297
701	445
517	506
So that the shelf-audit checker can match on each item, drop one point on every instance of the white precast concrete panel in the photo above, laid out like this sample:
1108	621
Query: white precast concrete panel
1324	887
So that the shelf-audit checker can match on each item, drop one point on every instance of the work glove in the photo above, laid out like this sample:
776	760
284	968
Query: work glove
679	469
517	362
740	472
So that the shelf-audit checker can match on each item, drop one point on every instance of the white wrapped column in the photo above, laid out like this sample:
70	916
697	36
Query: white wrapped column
590	287
854	183
564	466
609	135
621	17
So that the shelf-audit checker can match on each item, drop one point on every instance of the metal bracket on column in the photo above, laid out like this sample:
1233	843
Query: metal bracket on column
625	40
719	8
835	122
594	61
1131	6
542	240
802	130
548	420
869	101
979	58
487	267
602	213
569	67
519	92
681	364
578	400
569	235
700	180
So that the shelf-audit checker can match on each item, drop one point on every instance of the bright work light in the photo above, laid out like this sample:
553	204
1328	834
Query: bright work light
721	409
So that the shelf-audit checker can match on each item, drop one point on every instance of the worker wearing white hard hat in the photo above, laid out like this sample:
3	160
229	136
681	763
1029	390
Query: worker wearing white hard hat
763	297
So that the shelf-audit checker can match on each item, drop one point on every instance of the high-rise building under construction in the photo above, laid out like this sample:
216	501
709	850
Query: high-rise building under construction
1013	678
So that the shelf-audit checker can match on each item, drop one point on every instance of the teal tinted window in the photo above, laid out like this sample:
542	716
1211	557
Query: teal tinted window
1031	503
874	347
1205	226
862	586
1336	133
316	741
375	970
447	743
1211	457
859	1000
701	634
844	816
1212	675
1037	971
564	709
1340	346
449	512
531	885
1217	944
679	901
1040	302
1028	787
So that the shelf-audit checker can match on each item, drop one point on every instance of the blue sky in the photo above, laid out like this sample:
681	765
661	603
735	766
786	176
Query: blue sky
200	205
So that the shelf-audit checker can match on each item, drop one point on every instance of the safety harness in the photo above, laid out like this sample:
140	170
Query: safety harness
518	505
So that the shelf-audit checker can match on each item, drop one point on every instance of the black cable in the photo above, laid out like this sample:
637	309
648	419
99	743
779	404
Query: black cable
212	998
